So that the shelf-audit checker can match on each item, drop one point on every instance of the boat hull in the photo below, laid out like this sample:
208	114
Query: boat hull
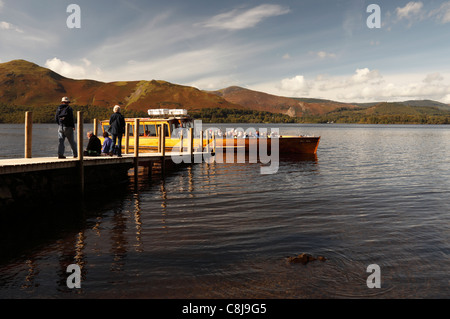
286	145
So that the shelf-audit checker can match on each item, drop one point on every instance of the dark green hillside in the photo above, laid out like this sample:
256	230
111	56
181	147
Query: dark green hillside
218	115
429	103
387	113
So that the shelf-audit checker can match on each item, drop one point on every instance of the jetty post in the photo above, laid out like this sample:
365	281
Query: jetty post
181	142
28	134
207	141
136	149
159	130
127	138
191	144
159	150
162	146
80	150
200	147
95	128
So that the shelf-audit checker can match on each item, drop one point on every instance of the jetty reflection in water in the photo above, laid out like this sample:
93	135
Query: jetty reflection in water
112	235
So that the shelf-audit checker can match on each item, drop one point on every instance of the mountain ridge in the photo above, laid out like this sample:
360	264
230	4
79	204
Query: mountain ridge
24	83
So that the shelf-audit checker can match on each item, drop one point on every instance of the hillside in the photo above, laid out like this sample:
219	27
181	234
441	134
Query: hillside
387	113
418	103
25	83
294	107
428	103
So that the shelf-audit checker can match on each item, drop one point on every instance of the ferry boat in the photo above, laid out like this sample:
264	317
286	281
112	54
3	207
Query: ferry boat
176	124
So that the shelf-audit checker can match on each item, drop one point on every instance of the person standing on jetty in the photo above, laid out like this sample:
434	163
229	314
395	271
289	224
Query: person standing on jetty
66	129
116	129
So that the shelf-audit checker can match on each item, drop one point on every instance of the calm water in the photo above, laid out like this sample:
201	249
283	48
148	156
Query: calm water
374	195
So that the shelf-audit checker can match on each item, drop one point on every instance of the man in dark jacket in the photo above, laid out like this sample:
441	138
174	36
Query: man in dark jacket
94	147
116	129
66	129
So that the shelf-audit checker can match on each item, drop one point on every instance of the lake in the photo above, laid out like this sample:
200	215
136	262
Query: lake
375	194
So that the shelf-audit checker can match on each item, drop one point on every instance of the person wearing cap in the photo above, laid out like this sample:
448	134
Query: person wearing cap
64	118
116	129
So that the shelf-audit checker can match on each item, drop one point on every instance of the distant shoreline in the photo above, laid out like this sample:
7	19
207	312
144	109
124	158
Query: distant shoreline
386	113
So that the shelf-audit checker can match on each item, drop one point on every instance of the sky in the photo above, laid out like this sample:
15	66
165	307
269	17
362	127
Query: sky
297	48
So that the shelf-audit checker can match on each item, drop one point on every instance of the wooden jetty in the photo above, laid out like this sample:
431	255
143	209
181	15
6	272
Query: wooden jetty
28	178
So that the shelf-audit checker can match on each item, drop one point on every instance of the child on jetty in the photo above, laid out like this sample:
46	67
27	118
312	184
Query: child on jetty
106	144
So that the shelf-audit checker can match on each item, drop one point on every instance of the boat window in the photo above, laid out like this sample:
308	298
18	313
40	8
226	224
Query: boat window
141	130
150	130
187	124
166	129
105	128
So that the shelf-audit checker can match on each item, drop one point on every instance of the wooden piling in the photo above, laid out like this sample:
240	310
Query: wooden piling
200	149
136	148
95	128
163	149
80	150
160	137
191	143
28	134
181	142
80	135
127	138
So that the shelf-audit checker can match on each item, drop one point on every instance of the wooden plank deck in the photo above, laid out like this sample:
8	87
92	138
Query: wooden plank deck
24	165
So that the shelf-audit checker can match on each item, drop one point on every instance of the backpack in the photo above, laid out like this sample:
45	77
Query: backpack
64	115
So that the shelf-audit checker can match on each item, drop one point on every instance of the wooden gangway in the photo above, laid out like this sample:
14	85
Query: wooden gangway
26	165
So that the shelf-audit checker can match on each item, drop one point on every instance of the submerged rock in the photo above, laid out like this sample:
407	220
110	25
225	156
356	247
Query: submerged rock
304	259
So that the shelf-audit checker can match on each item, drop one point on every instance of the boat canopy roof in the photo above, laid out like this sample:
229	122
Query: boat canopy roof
167	112
161	115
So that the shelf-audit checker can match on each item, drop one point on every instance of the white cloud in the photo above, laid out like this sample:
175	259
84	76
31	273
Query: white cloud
215	82
364	85
237	20
415	11
72	71
86	62
323	54
9	26
433	77
65	69
442	13
446	99
175	67
410	10
365	75
296	85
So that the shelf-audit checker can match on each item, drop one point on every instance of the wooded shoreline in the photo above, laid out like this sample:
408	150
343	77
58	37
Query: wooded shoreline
384	113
